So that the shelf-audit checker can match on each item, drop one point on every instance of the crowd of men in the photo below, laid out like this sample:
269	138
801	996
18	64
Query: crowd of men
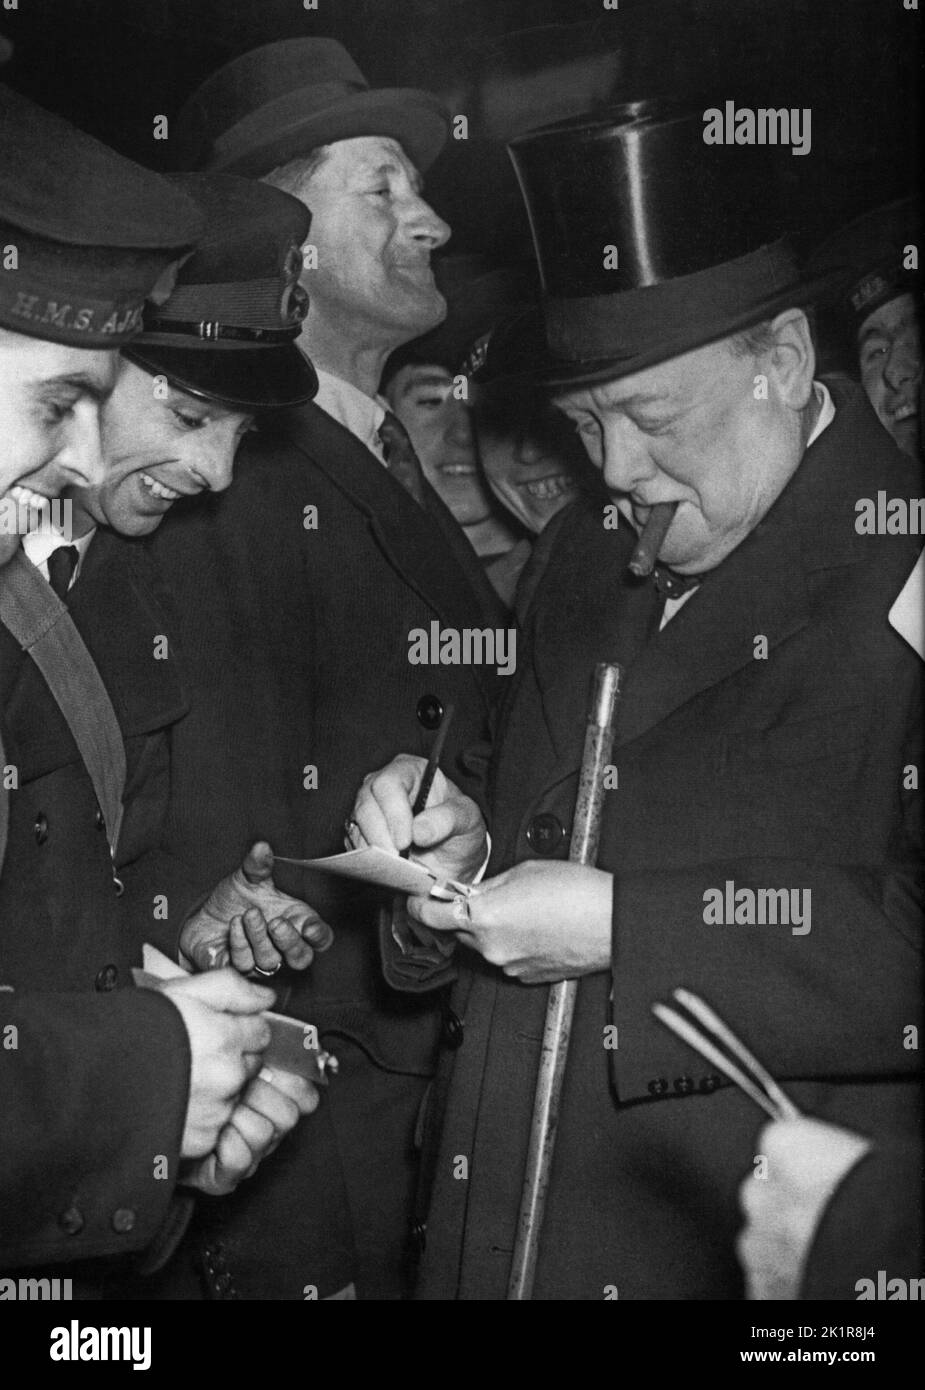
282	446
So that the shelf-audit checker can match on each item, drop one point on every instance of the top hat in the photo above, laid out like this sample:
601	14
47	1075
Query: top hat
94	233
650	243
228	330
866	258
285	99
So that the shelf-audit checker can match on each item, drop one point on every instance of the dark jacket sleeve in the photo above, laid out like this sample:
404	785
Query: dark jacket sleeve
93	1094
864	1229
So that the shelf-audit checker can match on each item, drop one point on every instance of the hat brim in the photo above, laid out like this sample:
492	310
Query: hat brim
249	379
517	347
417	120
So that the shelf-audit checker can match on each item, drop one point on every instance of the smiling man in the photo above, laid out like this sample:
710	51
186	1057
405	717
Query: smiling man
297	590
768	732
874	261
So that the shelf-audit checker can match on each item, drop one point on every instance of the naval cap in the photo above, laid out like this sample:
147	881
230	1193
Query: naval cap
86	234
229	327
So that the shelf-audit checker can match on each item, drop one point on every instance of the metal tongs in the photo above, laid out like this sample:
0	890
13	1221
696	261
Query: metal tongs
708	1035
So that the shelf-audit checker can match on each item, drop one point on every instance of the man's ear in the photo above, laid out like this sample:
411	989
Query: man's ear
793	358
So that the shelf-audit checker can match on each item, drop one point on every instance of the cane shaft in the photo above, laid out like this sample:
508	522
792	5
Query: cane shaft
560	1009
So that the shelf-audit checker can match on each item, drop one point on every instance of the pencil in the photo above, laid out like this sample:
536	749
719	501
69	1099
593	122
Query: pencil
430	771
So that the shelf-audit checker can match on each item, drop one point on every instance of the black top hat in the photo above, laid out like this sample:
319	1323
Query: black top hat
228	330
93	233
867	257
650	243
287	98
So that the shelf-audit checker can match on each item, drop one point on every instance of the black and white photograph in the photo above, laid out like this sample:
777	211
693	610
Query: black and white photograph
462	620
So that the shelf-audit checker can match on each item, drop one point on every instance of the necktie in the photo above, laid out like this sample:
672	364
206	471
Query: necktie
62	563
400	458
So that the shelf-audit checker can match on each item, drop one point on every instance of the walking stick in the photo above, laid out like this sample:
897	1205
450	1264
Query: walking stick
560	1009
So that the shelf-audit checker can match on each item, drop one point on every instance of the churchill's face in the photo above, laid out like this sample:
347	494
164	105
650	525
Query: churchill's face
50	398
719	430
890	359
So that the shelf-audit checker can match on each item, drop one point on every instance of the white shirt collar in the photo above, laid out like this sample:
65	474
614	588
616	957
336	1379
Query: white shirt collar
349	406
39	544
826	411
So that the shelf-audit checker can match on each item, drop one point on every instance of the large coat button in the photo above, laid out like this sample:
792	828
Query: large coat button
545	833
99	820
451	1031
106	979
430	712
71	1221
40	829
123	1220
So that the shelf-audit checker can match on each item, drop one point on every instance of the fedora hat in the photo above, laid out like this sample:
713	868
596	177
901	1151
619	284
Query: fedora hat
285	99
650	243
228	330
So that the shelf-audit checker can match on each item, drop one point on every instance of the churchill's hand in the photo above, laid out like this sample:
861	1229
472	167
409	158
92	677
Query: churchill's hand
449	838
248	923
266	1111
540	922
806	1160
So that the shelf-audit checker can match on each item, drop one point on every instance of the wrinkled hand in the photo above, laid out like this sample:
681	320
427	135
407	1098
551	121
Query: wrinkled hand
806	1160
449	837
227	1037
247	922
540	921
268	1109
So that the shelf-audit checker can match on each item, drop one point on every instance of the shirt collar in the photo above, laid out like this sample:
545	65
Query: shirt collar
39	544
349	406
826	411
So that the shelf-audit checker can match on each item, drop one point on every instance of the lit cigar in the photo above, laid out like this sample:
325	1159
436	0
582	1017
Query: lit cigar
653	535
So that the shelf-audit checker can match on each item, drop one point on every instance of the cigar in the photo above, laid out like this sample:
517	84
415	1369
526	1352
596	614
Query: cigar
643	559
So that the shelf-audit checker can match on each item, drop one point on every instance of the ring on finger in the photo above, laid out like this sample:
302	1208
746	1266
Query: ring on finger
259	970
461	909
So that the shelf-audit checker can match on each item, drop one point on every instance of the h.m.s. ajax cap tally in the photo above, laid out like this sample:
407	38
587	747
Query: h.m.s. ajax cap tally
228	330
86	235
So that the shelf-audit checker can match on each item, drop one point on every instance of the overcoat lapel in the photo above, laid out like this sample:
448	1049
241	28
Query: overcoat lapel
403	531
760	590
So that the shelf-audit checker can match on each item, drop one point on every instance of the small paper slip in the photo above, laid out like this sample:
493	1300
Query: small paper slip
908	612
374	865
287	1050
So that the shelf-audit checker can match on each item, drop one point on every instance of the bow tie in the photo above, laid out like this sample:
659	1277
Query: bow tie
671	585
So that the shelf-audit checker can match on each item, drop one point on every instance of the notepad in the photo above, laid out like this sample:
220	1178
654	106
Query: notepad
388	870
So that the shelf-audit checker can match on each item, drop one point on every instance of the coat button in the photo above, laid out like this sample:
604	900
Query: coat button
545	833
451	1032
106	979
40	829
658	1087
418	1237
99	820
683	1085
430	712
123	1220
71	1222
708	1084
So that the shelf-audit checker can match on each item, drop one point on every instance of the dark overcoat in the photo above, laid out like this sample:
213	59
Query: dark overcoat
94	1089
777	765
296	628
